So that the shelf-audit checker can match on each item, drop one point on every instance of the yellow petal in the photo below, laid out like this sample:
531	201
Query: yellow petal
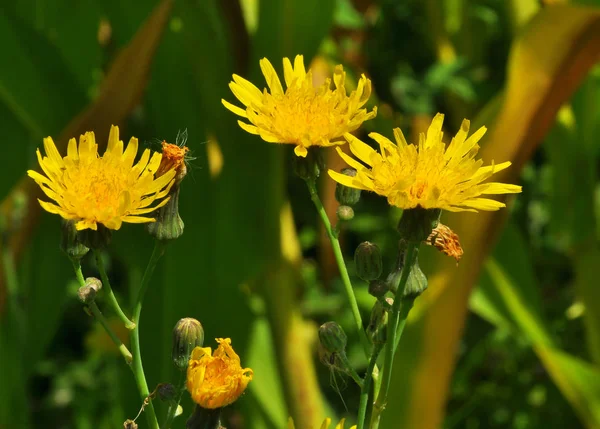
235	109
271	77
361	150
349	160
300	151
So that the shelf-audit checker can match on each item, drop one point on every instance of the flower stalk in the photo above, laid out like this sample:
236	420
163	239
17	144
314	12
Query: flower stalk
366	387
136	366
398	315
112	299
339	258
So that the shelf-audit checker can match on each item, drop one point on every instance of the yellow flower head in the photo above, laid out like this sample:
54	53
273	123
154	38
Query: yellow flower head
107	190
325	425
218	380
429	175
302	114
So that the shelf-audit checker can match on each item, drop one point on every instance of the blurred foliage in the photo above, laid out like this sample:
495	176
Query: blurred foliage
512	340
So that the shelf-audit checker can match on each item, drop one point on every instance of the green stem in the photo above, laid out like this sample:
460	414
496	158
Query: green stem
351	371
175	404
78	273
137	368
364	393
100	317
339	258
395	329
109	292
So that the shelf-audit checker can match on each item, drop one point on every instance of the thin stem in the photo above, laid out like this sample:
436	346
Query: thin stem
136	367
109	292
339	258
78	273
364	393
175	404
351	371
100	318
394	331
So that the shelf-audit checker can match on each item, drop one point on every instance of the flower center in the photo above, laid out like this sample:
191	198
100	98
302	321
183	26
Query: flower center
306	114
96	189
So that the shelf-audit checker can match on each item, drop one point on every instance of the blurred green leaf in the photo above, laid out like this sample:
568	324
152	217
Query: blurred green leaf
535	90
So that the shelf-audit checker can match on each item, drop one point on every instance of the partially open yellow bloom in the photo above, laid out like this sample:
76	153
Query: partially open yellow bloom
107	190
302	114
428	175
325	425
218	380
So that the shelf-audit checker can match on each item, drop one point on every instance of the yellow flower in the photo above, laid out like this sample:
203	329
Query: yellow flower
107	190
302	115
325	424
218	380
429	175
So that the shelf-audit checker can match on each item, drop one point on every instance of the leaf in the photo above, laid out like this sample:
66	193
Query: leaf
546	64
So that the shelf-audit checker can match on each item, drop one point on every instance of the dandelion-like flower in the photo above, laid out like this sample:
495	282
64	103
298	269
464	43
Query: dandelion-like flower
216	380
325	425
108	190
302	114
428	175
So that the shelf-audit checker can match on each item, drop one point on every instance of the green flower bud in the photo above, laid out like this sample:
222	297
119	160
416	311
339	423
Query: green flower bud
308	168
166	392
345	195
377	327
345	213
367	258
332	337
86	294
168	224
416	224
70	242
416	282
97	239
378	288
187	335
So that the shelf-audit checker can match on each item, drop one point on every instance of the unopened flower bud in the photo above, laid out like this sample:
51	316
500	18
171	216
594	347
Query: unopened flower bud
345	195
416	282
416	224
377	327
332	337
187	334
378	288
166	392
95	239
345	213
86	294
94	283
168	224
70	242
367	258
